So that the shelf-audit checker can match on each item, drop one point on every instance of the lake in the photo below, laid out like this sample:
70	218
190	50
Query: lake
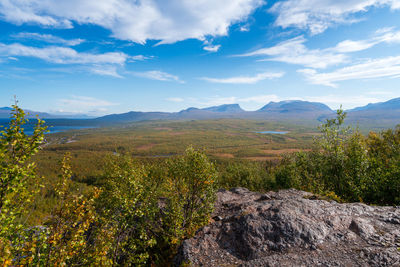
272	132
58	127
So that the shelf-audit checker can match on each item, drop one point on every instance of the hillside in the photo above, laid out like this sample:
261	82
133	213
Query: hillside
384	114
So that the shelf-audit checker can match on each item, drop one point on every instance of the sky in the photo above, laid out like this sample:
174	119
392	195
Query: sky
112	56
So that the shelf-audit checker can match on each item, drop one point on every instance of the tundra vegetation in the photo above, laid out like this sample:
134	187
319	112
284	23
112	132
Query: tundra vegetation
132	211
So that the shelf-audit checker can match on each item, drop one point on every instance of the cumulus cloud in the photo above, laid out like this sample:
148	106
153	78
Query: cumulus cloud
157	75
245	79
48	38
388	67
318	15
137	21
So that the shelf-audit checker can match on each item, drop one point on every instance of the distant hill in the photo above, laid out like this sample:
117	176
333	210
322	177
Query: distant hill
393	104
225	108
285	110
133	116
295	106
378	115
384	114
5	113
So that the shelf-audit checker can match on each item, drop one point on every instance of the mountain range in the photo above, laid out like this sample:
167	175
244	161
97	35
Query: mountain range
384	114
5	113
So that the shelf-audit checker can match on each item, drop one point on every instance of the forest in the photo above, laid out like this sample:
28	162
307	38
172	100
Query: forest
127	208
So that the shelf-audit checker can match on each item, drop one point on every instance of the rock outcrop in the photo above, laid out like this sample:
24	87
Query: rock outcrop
293	228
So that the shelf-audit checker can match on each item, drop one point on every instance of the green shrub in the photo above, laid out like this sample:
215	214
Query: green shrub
127	207
191	186
348	164
17	181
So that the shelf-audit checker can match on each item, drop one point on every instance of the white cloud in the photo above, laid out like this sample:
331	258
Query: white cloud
175	99
157	75
245	79
294	51
388	67
102	64
62	55
137	21
317	15
212	48
140	58
84	104
244	28
348	46
47	38
86	101
105	71
385	35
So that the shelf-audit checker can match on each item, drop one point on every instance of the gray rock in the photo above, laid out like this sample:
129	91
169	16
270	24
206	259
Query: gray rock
292	228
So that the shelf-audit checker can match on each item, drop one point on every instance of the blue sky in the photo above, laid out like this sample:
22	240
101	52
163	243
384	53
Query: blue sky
111	56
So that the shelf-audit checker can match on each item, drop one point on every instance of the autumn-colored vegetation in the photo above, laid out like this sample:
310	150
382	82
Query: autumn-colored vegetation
116	208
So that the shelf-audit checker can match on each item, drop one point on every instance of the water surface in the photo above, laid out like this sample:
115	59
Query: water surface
272	132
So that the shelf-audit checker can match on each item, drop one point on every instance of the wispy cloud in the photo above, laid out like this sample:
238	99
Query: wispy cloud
294	51
245	79
137	21
175	99
84	104
318	15
140	58
105	70
212	48
62	55
48	38
157	75
388	67
102	64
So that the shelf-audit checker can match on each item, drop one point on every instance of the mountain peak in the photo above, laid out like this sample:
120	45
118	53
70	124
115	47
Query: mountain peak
225	108
390	104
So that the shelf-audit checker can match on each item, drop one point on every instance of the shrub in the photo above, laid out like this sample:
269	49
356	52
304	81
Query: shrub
17	181
348	164
128	208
